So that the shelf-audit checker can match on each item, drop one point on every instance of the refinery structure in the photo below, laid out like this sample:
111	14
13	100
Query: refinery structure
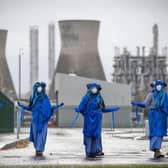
140	70
79	63
79	56
6	83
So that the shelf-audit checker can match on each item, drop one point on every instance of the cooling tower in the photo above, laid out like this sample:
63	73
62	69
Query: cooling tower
6	83
79	52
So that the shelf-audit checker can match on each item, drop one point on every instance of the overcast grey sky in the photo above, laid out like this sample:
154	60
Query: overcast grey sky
123	23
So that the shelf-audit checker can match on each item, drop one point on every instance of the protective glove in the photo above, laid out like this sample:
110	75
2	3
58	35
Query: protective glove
139	104
77	109
115	108
20	104
61	104
57	106
106	110
24	107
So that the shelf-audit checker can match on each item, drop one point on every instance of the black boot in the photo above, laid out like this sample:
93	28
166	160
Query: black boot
91	156
157	154
39	153
100	154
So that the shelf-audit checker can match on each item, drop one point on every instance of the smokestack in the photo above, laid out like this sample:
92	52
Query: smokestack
155	39
143	51
138	51
164	51
51	50
116	51
34	55
125	51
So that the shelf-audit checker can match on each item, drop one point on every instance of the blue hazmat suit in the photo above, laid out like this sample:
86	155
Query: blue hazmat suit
41	113
91	107
157	101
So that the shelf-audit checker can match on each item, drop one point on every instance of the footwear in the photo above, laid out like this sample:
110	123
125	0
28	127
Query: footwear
39	153
100	154
157	154
162	156
91	156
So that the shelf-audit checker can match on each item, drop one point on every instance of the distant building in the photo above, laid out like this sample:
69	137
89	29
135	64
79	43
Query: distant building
70	90
34	55
6	83
140	70
51	50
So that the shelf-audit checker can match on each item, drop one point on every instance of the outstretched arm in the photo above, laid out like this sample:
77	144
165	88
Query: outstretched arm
145	103
112	109
139	104
55	107
24	107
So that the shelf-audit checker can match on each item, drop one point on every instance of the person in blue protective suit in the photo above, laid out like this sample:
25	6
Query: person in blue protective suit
157	101
41	113
91	107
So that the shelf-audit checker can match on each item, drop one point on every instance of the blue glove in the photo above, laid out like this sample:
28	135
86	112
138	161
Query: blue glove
20	104
115	108
24	107
138	104
56	106
77	109
106	110
1	105
61	104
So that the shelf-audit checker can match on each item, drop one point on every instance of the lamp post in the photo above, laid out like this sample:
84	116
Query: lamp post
19	72
19	88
